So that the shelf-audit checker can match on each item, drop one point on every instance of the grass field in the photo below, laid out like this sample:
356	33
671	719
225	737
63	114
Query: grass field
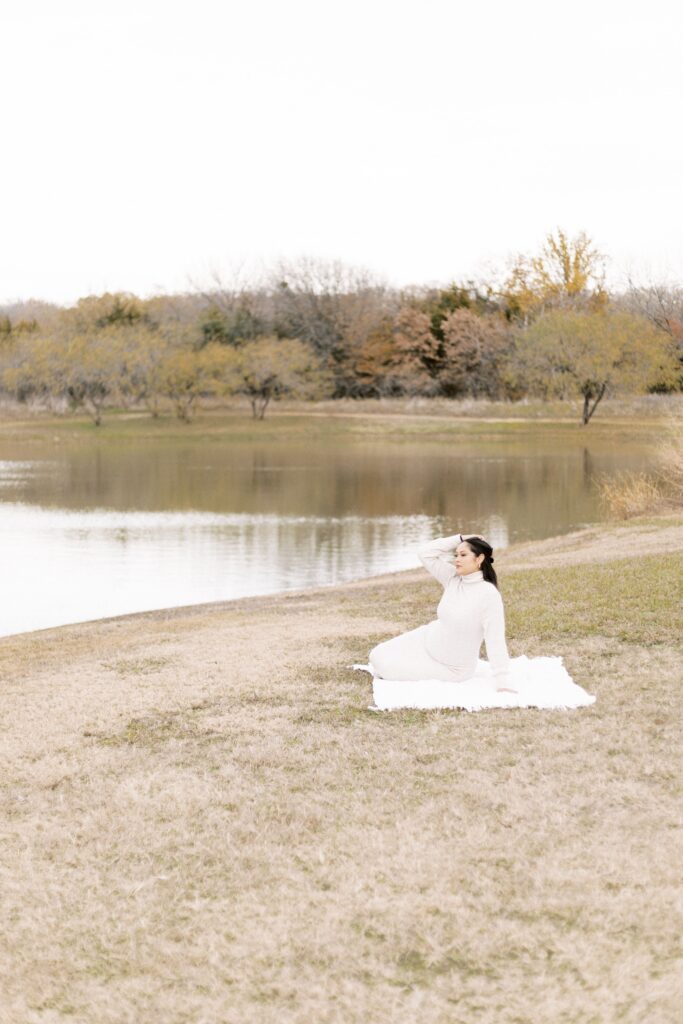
204	823
633	422
632	407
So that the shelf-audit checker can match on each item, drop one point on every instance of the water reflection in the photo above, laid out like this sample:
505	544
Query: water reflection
90	532
62	566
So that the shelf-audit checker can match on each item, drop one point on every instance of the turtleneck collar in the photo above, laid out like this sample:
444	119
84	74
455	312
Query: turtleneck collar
472	577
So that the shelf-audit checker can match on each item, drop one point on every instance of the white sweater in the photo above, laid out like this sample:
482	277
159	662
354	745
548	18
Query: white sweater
471	610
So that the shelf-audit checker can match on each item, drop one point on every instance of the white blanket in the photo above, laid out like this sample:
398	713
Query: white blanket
539	682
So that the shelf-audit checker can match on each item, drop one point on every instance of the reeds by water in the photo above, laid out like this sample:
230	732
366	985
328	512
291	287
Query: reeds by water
629	494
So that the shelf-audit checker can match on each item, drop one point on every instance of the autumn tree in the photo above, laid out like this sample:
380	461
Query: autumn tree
139	356
104	349
86	352
565	273
106	342
568	352
416	352
78	367
11	330
86	365
187	373
95	312
439	303
148	347
374	364
473	350
270	368
26	370
13	339
406	355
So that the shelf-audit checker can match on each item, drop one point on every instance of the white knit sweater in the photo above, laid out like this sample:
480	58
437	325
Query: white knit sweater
470	610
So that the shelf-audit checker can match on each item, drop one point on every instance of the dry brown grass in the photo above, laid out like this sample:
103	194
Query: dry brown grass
625	495
204	825
671	461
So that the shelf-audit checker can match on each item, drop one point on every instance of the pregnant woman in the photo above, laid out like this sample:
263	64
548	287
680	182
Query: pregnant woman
438	665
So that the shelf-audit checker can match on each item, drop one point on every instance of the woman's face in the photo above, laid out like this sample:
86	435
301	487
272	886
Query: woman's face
465	559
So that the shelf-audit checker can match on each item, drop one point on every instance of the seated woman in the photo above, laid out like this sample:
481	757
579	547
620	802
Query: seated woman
470	610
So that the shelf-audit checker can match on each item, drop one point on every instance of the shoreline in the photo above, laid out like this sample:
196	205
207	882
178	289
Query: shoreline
577	547
627	406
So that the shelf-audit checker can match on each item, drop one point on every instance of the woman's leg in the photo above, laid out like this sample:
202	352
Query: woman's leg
405	658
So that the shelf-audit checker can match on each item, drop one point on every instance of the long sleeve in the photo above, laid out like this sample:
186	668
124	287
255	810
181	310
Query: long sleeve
436	555
494	635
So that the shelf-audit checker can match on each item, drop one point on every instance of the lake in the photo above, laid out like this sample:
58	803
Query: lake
90	529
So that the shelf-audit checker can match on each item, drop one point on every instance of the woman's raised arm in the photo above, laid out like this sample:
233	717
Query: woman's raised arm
436	557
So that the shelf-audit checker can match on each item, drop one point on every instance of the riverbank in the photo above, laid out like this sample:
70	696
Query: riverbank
634	418
204	821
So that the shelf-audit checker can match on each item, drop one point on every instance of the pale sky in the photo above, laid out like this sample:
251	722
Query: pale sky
148	143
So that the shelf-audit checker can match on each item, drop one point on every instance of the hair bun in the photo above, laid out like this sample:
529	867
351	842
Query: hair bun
490	558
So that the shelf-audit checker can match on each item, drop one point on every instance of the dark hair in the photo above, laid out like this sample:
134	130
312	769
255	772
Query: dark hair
482	547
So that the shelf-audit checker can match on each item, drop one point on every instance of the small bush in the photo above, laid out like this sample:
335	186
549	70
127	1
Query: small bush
628	494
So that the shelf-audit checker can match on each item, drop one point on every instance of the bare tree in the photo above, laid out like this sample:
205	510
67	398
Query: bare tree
234	309
662	305
332	307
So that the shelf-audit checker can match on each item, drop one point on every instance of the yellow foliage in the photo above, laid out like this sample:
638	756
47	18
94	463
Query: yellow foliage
566	271
267	368
185	374
573	351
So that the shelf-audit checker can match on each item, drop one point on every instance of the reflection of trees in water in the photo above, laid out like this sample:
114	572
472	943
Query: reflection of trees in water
287	515
534	492
308	553
110	563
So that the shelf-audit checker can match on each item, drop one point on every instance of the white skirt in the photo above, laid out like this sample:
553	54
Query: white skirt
405	676
406	657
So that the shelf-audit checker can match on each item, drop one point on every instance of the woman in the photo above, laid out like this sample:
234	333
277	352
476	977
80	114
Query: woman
470	610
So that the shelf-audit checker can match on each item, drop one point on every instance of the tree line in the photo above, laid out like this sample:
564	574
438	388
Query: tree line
318	329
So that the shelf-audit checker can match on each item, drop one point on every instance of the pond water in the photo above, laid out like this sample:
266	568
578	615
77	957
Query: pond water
91	530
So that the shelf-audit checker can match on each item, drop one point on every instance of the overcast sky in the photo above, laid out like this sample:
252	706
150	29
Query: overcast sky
147	143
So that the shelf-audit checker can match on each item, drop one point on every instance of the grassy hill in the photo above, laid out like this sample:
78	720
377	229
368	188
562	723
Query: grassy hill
203	821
